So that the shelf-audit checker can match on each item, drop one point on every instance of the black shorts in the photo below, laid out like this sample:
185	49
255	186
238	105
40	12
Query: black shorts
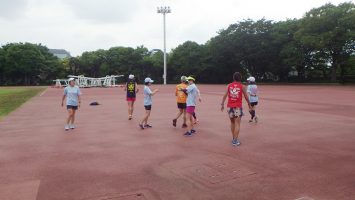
148	107
181	105
72	107
254	103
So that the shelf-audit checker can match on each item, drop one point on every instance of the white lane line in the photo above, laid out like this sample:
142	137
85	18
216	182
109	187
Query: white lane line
43	92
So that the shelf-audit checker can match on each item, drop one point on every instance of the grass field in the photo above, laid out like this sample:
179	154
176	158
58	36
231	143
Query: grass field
13	97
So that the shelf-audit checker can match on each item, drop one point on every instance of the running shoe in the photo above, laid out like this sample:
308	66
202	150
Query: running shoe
234	142
174	122
193	131
250	121
130	117
66	127
184	126
237	142
71	126
188	133
141	125
147	126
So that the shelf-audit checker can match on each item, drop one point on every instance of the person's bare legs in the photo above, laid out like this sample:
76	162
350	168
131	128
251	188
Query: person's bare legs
233	127
70	115
190	123
129	104
180	112
184	115
236	128
145	118
73	117
132	108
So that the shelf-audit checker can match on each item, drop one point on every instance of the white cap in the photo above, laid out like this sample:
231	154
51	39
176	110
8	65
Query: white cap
251	79
71	79
148	80
131	76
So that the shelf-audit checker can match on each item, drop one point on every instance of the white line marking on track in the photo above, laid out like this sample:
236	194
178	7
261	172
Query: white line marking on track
43	92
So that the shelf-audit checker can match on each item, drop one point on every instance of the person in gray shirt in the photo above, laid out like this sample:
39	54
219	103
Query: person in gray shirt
72	95
148	101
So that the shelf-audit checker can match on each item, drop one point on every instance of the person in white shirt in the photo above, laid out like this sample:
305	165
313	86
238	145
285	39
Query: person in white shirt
253	98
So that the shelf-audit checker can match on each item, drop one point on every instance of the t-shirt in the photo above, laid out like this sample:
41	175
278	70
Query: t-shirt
147	96
131	89
180	95
72	94
253	93
235	94
192	94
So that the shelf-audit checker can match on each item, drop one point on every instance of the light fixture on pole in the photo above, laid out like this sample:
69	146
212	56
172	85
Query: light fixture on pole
164	10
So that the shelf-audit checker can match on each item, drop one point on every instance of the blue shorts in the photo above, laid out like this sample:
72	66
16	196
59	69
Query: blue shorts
70	107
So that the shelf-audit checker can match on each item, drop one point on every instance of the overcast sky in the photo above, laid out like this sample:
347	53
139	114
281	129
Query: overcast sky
87	25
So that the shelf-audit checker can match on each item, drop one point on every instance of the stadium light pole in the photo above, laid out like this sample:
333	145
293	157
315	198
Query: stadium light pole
164	10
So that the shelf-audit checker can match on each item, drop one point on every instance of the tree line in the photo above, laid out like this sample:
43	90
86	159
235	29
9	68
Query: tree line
318	47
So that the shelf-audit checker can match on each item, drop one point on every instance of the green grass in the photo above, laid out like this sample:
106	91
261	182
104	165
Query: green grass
13	97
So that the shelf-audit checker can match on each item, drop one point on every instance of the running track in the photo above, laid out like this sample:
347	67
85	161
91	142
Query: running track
303	148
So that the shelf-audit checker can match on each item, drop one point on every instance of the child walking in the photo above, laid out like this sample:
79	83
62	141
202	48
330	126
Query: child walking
72	95
253	98
147	102
235	92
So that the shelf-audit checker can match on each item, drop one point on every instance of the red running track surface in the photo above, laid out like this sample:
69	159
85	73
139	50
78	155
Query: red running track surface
302	148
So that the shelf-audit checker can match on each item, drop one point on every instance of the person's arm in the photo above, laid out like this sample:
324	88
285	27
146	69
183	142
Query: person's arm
63	99
137	89
246	96
125	88
64	95
79	97
199	95
176	90
154	92
224	99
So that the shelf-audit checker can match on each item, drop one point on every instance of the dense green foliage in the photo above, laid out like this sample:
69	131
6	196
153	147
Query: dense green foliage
12	98
318	47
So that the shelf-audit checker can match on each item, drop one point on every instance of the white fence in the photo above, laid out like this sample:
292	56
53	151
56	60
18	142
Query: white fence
82	81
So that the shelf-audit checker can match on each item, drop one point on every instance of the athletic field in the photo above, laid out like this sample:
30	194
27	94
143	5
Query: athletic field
302	148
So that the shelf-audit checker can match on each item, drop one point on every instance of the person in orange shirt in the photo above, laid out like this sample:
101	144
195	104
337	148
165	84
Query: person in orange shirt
181	101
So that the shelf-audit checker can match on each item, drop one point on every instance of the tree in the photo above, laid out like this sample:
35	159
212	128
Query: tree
331	30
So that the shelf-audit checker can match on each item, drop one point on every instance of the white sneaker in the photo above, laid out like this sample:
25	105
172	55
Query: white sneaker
71	126
66	127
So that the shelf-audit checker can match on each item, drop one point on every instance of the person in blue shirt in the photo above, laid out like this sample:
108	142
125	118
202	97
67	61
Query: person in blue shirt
253	98
147	102
72	95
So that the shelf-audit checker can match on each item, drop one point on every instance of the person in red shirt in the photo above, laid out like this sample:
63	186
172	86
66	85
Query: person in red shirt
235	92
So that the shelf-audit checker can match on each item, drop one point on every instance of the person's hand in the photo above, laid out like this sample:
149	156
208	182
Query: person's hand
156	90
62	104
79	104
200	100
222	107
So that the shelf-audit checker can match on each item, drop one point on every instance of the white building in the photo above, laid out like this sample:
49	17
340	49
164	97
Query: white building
60	53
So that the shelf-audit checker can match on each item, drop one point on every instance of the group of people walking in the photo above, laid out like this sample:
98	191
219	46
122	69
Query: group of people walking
187	95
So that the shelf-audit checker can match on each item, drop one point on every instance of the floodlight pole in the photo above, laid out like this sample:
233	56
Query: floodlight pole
164	10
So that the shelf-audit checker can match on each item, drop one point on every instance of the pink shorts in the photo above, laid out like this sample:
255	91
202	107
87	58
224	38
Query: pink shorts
190	109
